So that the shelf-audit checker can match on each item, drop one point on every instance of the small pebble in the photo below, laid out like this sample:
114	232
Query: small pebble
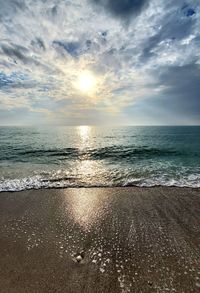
79	258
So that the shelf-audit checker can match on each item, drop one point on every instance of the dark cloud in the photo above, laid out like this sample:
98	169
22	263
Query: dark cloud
71	48
188	11
104	34
38	43
177	103
75	48
18	4
175	26
54	10
122	8
15	52
11	7
181	89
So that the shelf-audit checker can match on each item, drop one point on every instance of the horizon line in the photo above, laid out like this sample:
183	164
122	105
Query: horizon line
98	125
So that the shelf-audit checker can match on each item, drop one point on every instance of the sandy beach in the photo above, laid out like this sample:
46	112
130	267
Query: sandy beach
100	240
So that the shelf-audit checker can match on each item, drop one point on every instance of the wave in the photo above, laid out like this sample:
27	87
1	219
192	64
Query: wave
105	153
36	182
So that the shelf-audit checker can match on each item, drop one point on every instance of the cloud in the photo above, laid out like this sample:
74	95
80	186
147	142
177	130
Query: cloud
181	89
144	70
72	48
188	11
15	51
38	43
176	25
15	80
11	7
5	80
122	8
176	100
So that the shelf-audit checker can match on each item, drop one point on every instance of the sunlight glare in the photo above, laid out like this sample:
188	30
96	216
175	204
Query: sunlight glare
86	82
84	132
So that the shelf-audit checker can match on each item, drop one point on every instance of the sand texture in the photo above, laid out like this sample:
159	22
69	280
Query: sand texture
100	240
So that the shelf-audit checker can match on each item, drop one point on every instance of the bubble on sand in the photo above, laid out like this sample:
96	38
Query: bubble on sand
94	260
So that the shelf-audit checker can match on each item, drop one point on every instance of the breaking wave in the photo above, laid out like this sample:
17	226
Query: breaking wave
38	182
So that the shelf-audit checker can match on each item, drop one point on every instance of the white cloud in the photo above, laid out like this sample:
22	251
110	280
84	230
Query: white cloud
50	42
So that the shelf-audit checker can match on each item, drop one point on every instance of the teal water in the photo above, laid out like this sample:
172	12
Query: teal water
93	156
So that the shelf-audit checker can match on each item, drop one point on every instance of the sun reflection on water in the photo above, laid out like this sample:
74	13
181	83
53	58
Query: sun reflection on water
84	132
86	166
85	208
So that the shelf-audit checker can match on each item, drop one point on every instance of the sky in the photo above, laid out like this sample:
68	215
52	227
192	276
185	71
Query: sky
142	58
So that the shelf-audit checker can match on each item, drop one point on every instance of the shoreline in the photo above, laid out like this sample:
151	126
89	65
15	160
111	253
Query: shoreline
102	187
94	240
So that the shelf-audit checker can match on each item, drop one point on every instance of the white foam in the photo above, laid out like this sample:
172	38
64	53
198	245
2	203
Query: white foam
37	182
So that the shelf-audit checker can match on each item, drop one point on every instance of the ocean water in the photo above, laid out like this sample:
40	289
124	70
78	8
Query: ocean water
84	156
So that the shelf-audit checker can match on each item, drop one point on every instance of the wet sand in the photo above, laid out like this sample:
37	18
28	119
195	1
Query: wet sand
100	240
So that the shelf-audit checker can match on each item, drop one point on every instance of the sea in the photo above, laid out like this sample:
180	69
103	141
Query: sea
88	156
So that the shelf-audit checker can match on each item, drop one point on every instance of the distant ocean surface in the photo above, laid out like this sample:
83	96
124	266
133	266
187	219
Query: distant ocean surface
33	158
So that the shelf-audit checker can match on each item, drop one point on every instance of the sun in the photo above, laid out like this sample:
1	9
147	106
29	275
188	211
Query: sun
86	82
